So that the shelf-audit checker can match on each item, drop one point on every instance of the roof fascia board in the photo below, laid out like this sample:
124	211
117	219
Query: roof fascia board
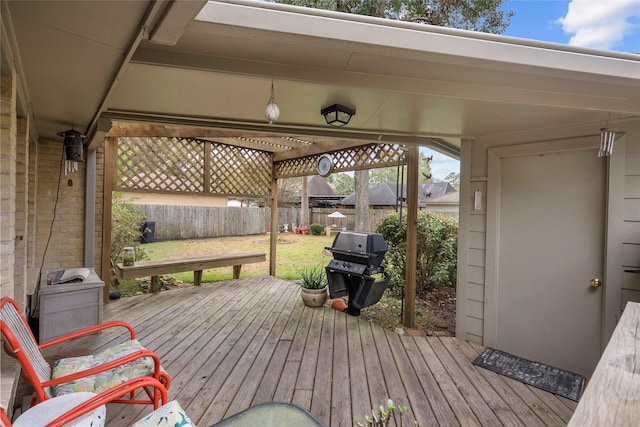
451	45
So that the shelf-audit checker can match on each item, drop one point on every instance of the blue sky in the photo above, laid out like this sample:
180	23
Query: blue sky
600	24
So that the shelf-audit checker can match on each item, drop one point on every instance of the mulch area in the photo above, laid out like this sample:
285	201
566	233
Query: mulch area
435	313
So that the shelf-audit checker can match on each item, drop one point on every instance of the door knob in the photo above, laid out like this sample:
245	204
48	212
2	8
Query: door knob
596	283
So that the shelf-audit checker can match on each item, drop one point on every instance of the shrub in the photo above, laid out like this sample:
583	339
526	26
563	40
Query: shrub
437	251
125	228
316	229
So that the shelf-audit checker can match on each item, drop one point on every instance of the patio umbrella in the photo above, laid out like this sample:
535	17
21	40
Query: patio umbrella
336	214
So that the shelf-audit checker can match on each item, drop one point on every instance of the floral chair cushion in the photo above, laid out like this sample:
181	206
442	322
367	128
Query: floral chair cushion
170	415
105	380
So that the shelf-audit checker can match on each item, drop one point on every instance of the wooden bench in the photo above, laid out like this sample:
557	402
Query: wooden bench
197	265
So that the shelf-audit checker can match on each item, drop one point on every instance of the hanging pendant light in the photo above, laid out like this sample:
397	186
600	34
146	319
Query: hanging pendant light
271	111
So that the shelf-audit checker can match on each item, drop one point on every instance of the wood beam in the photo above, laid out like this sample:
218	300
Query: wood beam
409	315
317	148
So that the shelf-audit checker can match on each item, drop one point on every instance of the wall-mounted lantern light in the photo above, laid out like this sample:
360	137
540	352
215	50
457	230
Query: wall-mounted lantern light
73	149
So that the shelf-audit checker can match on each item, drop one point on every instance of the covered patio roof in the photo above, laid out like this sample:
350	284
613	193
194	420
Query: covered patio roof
207	68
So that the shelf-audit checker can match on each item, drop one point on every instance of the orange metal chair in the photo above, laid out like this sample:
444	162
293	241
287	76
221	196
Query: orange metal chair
95	373
59	416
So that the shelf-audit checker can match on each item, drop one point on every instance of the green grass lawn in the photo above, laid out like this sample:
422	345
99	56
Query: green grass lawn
293	252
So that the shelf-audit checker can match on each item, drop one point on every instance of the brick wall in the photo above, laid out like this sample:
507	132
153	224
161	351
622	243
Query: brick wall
7	183
60	210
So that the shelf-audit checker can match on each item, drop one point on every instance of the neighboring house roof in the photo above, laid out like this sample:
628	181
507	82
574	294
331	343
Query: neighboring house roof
387	194
449	198
318	186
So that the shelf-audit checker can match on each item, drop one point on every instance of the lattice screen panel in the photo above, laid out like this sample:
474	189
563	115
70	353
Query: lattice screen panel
178	165
364	157
160	164
182	165
240	171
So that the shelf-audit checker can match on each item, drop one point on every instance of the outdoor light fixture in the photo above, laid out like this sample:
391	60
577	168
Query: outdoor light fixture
607	137
337	115
271	111
73	149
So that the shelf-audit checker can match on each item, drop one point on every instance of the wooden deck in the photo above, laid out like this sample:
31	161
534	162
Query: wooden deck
230	345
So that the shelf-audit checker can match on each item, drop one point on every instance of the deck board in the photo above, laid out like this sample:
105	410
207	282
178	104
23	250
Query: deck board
230	345
435	377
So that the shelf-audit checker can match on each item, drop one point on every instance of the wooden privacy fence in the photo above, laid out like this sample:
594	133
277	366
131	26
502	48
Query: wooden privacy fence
197	222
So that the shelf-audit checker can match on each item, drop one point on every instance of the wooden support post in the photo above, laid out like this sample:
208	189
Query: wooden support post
197	277
409	315
274	221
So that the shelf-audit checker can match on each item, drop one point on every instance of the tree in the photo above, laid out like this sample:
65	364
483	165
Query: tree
477	15
454	179
383	175
289	191
304	202
362	200
390	175
343	184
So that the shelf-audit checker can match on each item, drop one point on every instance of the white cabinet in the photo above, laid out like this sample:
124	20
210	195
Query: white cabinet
68	307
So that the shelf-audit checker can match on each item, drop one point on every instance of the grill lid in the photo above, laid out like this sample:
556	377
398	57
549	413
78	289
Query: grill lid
359	247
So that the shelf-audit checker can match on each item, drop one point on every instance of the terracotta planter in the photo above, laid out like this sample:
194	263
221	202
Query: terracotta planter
314	297
339	304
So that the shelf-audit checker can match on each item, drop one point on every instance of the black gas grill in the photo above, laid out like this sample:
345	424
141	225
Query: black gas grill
355	269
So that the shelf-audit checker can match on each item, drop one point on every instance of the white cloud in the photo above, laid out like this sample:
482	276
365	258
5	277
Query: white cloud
600	24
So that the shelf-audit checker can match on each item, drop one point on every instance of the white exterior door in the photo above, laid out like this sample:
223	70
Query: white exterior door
551	210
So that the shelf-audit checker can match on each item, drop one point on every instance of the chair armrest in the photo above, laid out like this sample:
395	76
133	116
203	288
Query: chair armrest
108	396
90	330
108	366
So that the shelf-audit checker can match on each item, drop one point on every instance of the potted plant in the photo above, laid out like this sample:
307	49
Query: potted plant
313	284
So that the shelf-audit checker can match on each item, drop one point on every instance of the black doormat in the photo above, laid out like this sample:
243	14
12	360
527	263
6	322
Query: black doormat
545	377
